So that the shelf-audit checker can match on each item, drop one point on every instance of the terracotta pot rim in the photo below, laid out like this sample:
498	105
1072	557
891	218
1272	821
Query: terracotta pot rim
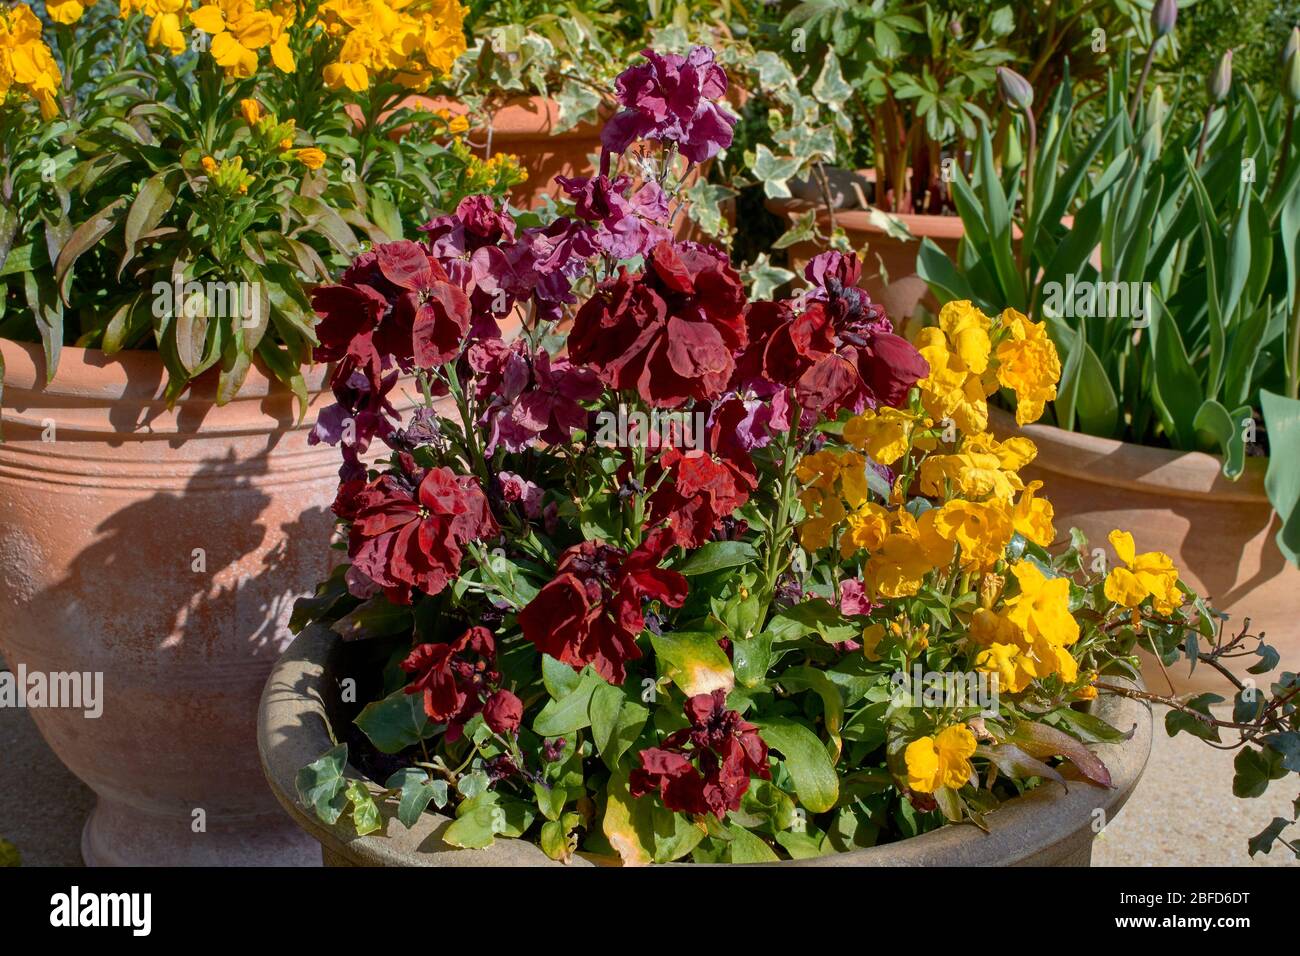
293	730
520	119
921	225
136	375
1143	468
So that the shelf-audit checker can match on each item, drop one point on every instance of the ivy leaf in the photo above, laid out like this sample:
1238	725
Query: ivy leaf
395	722
320	784
417	792
365	812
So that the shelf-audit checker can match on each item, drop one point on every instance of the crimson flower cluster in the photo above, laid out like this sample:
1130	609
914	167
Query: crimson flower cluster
672	99
706	767
669	333
408	528
592	611
458	678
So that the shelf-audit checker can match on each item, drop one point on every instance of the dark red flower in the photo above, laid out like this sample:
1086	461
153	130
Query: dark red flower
503	712
839	352
453	676
670	332
706	767
591	612
393	301
698	492
408	529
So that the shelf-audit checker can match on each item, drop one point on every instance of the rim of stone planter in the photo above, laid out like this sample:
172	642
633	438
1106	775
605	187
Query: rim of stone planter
1145	468
1047	825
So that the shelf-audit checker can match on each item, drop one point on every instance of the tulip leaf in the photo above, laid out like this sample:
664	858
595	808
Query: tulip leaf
1282	481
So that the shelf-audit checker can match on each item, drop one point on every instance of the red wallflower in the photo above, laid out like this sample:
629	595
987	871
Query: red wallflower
503	711
670	332
839	352
453	676
591	611
395	300
698	492
408	528
713	774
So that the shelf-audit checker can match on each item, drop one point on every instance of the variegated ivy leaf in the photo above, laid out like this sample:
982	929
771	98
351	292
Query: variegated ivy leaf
774	171
831	87
764	278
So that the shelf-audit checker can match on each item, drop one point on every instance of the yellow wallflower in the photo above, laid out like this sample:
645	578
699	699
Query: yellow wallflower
1149	574
65	11
865	529
959	382
310	156
980	529
1030	638
940	761
1032	516
882	434
25	60
1027	364
238	31
831	478
251	110
909	552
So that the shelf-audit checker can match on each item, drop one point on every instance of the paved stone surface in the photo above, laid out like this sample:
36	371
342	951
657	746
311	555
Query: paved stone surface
42	805
1182	813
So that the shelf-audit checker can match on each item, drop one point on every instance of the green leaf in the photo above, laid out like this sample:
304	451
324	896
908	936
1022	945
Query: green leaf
694	662
1282	481
1176	390
365	812
616	722
475	826
805	758
627	822
570	712
417	791
1226	432
716	555
745	847
320	784
395	722
83	238
813	617
376	617
151	204
1177	720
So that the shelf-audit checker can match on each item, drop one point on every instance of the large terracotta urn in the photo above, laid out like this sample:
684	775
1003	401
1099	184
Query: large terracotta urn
1220	533
162	548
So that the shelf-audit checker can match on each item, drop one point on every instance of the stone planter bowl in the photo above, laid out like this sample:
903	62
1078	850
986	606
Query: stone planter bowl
1047	827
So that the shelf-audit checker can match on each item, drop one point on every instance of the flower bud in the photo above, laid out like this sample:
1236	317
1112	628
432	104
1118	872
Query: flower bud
1220	81
1015	89
1292	44
1163	17
1291	68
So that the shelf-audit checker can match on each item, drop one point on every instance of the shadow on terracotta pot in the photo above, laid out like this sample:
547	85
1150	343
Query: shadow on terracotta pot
177	646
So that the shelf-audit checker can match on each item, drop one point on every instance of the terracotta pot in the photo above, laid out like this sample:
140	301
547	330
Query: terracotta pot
1047	827
1218	532
105	497
889	265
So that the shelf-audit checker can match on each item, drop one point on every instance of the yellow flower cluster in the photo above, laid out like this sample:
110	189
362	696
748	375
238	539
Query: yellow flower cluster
970	357
167	22
410	40
832	478
239	30
27	66
1030	636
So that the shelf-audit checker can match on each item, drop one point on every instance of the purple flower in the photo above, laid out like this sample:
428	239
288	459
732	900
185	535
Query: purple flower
360	413
625	226
517	488
670	98
529	396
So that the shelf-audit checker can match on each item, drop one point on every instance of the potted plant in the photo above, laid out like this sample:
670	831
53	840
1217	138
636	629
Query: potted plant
699	580
163	218
539	78
1172	298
